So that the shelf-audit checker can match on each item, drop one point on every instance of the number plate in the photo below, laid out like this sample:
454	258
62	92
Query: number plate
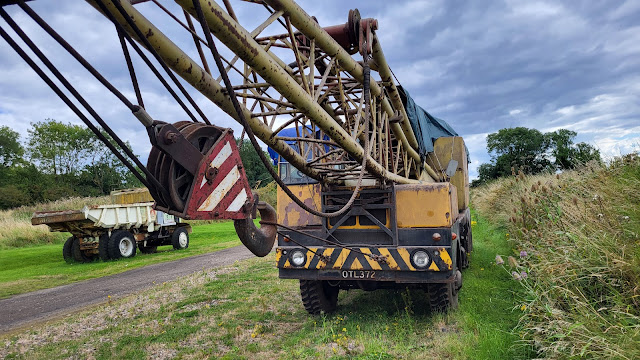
358	274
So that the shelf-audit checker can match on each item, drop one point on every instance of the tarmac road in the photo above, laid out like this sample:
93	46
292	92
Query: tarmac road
42	305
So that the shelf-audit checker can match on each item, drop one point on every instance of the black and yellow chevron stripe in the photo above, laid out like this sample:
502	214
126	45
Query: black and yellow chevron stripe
397	259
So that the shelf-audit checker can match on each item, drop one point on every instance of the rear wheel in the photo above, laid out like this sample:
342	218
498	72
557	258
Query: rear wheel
147	249
180	239
318	296
78	254
121	244
67	252
103	247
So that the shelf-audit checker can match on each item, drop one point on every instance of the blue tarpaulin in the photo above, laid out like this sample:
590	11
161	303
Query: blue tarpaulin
427	128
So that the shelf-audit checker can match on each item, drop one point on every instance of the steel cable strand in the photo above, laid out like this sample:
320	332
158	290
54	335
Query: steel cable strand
252	137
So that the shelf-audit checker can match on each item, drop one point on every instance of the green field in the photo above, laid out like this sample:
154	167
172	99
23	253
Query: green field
37	267
245	311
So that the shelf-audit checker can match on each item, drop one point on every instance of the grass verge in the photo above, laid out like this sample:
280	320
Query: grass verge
38	267
246	311
578	234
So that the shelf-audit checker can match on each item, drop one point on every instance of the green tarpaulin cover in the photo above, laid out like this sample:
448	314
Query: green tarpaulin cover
426	127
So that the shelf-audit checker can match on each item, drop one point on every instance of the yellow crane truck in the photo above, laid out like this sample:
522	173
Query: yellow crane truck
372	190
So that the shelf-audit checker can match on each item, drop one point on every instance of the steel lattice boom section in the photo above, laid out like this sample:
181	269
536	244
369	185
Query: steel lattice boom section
290	72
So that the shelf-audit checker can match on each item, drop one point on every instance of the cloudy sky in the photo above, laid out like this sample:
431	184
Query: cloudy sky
480	65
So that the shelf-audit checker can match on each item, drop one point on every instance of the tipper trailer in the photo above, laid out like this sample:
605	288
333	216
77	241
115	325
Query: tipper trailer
115	231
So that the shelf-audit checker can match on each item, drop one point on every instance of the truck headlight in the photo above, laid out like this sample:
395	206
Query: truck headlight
420	258
298	258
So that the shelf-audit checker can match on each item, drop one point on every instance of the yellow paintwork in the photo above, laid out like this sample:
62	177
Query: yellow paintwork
444	255
290	214
358	226
356	265
341	259
404	254
374	264
444	149
426	205
392	263
131	196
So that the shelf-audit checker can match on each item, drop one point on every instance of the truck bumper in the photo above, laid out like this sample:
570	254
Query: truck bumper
388	264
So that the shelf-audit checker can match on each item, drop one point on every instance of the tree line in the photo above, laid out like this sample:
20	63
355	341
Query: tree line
528	150
59	160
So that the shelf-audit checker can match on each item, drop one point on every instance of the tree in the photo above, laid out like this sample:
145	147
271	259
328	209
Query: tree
521	148
582	153
61	148
530	151
561	143
257	173
10	149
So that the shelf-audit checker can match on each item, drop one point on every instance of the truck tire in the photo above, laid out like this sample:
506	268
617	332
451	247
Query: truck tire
147	249
122	244
318	296
67	252
180	239
444	297
79	255
103	247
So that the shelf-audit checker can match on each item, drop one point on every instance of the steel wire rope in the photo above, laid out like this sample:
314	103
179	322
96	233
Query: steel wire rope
155	54
68	101
133	108
247	127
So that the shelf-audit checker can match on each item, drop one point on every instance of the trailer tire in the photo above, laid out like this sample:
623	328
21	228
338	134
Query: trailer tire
443	297
122	244
78	254
318	296
67	251
147	249
180	238
103	247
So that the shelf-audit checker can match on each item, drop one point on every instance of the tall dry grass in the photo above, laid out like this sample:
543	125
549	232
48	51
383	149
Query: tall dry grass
578	233
15	224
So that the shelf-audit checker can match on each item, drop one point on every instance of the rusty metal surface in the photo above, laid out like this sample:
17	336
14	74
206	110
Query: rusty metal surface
258	241
52	217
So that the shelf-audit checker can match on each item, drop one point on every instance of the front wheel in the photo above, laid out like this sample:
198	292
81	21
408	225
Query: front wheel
318	296
180	239
444	297
121	244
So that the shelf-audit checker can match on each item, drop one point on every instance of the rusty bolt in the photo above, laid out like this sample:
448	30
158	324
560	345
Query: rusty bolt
436	237
171	138
216	214
211	173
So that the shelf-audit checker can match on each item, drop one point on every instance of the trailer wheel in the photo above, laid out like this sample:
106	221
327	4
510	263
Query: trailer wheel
318	296
67	252
121	244
180	239
103	247
79	255
147	249
444	297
